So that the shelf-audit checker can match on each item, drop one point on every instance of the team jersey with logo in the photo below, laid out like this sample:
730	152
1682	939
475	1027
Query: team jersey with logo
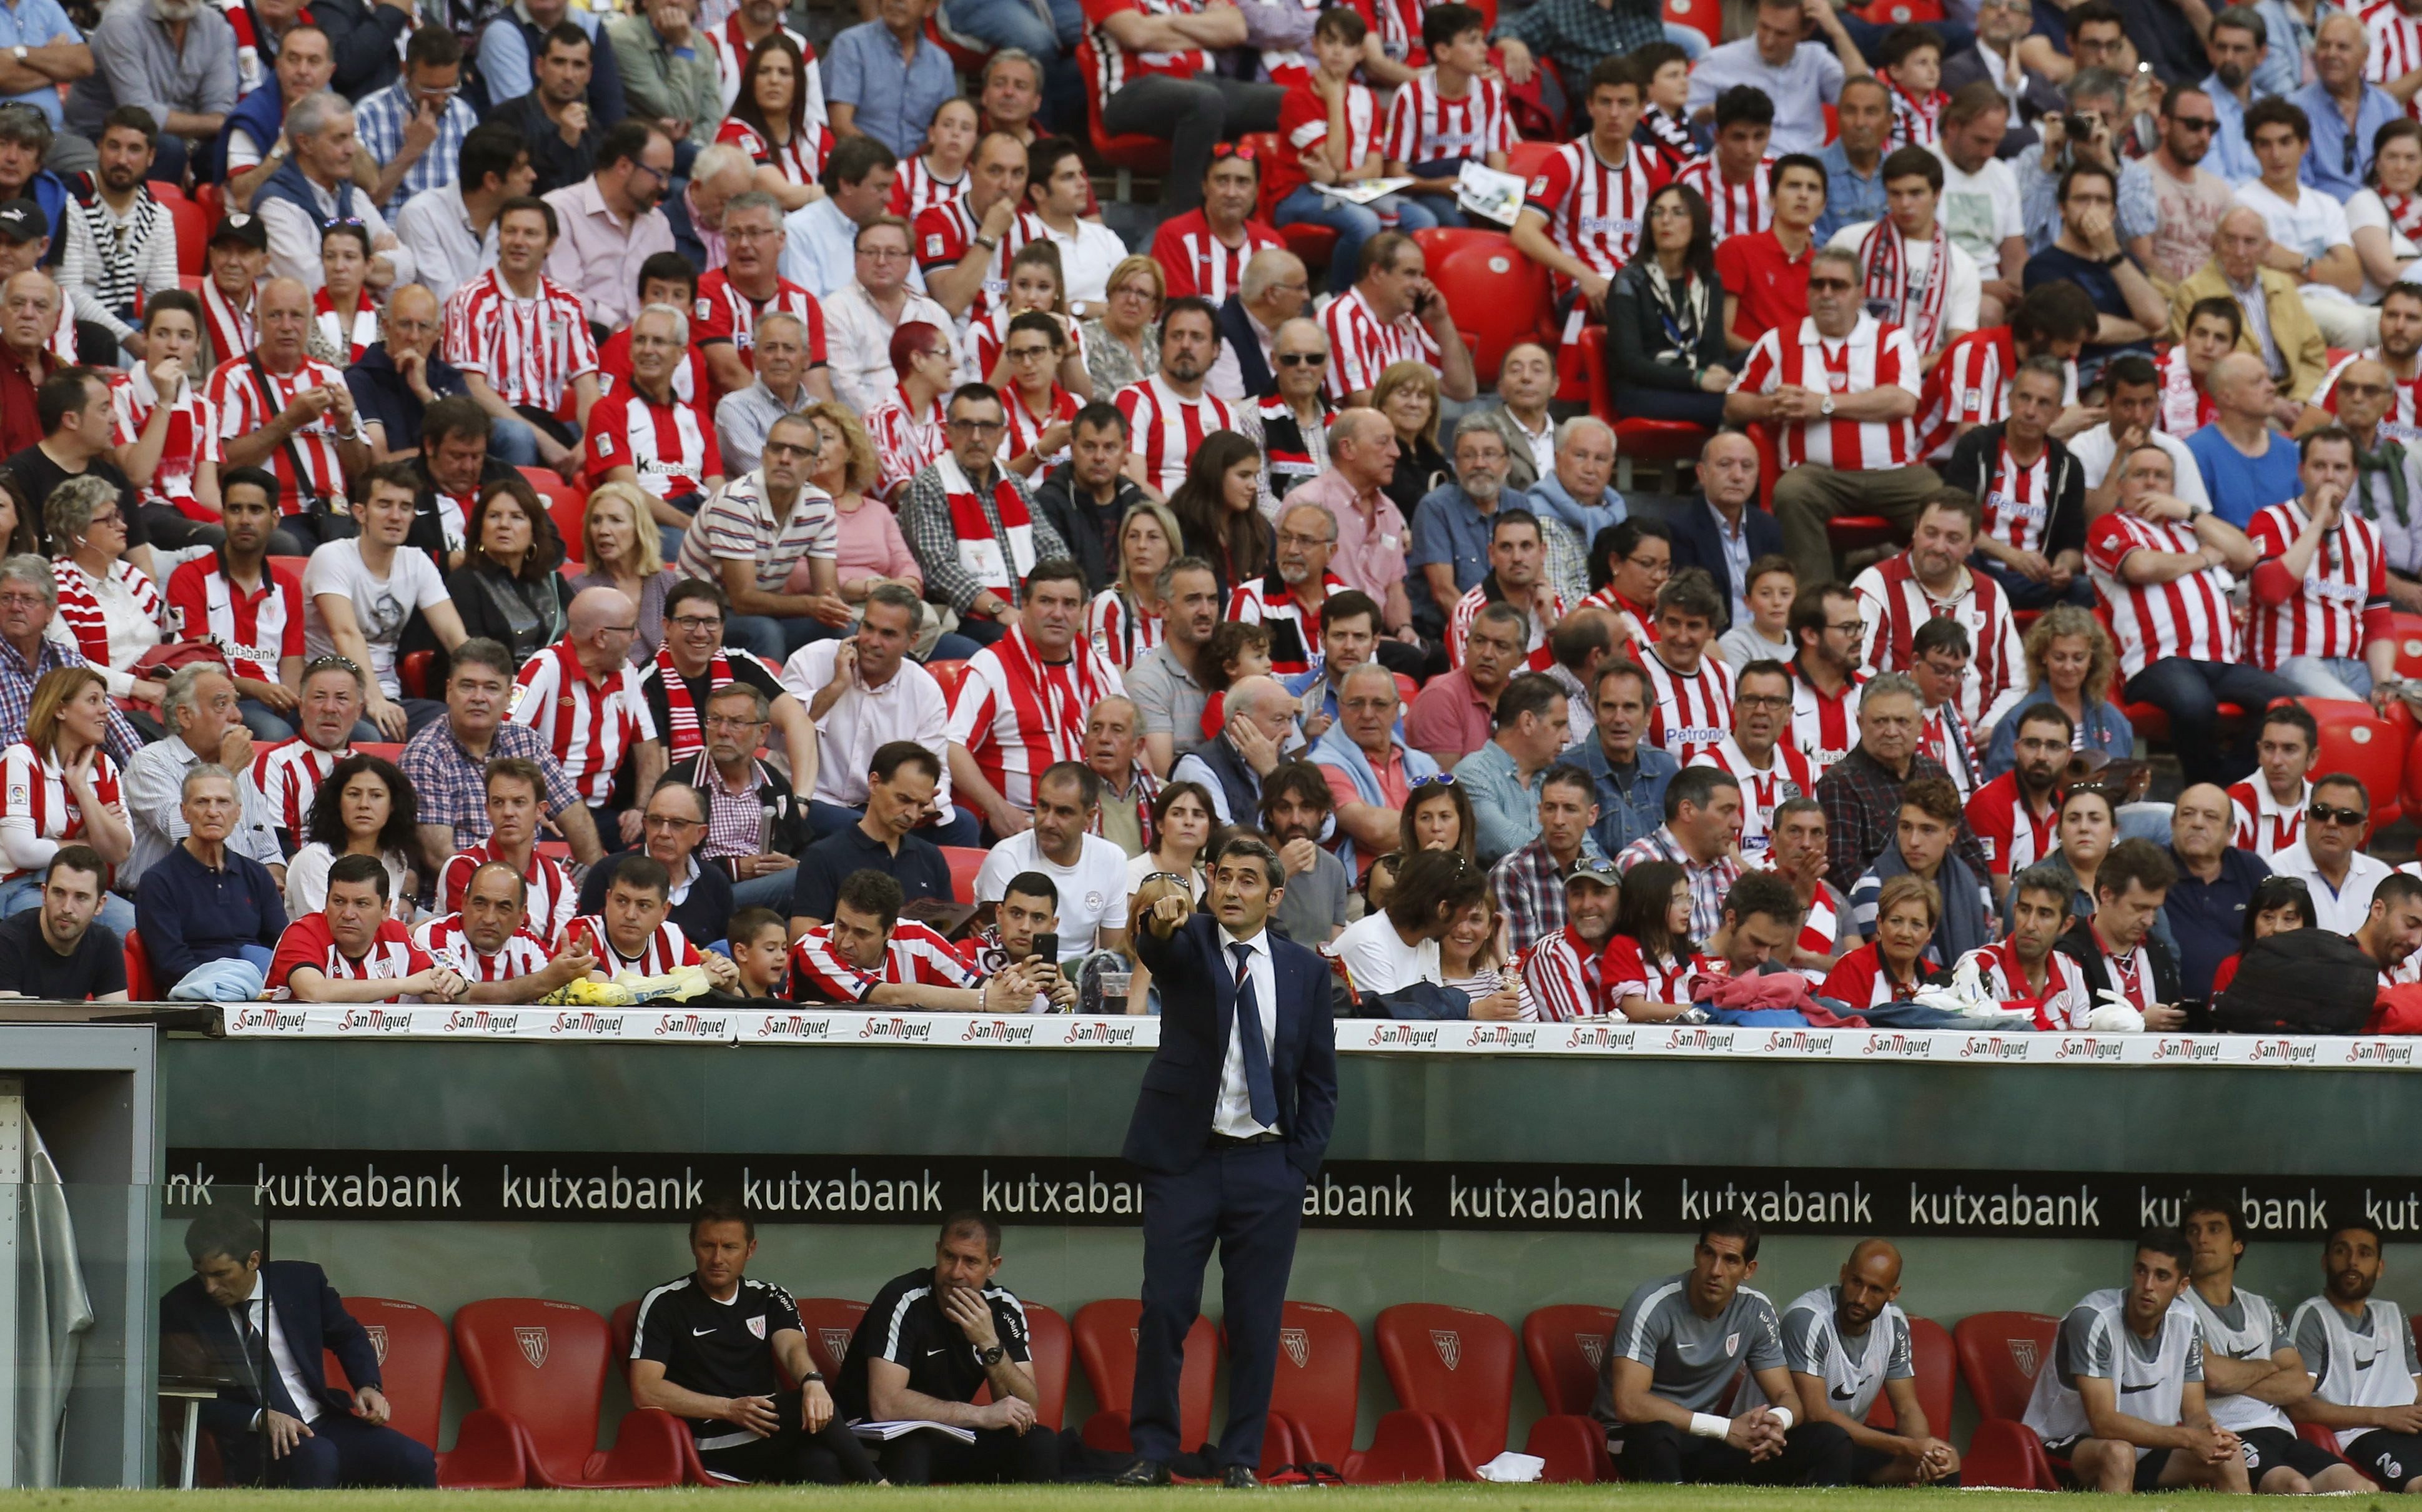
946	230
1562	974
529	351
1361	346
1425	126
1824	727
1194	260
1295	635
918	188
672	447
1467	609
801	160
905	1325
2015	837
2261	823
2096	1344
666	949
1789	774
1871	356
192	436
239	408
1690	1358
1595	210
2341	602
588	726
1687	711
2186	617
256	630
1971	386
1894	602
2248	1328
392	956
1854	1366
725	313
2365	1360
1303	126
913	956
450	945
1167	429
546	906
1016	714
34	793
715	1347
286	776
2395	42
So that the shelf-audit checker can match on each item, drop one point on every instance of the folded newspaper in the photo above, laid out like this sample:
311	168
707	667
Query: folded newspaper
889	1430
1363	192
1481	190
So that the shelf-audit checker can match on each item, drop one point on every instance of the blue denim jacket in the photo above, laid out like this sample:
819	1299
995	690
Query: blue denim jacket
1631	803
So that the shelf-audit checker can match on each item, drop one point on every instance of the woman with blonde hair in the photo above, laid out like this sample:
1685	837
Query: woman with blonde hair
873	551
1407	394
1125	619
622	548
1123	346
2069	665
59	787
1891	968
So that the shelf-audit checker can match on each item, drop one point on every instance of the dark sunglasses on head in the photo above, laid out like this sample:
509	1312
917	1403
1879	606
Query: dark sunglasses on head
2324	813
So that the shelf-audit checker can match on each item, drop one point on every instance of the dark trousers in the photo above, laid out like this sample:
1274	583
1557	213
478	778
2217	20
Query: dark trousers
1192	115
1695	405
831	1456
2024	592
2191	693
1250	1201
1814	1454
998	1454
342	1451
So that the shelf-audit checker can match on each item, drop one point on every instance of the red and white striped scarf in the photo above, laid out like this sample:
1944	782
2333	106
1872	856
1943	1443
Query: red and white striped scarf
1060	706
681	735
999	562
2405	214
1885	256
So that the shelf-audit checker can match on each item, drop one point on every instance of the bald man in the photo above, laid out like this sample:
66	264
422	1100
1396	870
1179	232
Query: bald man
585	686
2246	466
307	414
1275	289
2276	328
1848	1344
2206	907
1372	535
1725	534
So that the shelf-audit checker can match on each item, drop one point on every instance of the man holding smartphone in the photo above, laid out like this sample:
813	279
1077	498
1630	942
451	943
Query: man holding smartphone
1025	933
1394	313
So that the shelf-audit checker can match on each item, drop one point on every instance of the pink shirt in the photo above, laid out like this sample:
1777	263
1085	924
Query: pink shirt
870	545
1370	556
1448	716
598	257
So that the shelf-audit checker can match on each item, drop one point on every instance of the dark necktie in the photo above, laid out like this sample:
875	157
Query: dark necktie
274	1393
1258	1089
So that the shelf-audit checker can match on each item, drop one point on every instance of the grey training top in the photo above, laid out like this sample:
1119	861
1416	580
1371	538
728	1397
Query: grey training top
1690	1358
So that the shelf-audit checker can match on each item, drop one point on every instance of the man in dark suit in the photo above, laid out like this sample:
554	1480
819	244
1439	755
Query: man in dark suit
1729	530
1234	1118
264	1326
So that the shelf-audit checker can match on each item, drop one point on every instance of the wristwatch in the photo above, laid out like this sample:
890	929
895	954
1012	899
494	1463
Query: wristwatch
991	1357
19	52
1826	408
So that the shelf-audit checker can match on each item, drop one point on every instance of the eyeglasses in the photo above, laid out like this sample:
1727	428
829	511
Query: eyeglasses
1762	701
698	622
660	175
1653	566
2325	815
665	821
2348	390
725	721
978	427
2196	124
1135	291
1301	359
1849	627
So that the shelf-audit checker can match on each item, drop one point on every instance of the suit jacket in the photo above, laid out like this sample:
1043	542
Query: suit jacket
1236	332
198	1336
1697	542
2300	341
1198	1013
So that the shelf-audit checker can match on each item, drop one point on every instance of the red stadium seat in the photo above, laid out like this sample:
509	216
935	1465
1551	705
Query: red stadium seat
831	1322
2354	739
1047	1340
1317	1384
1406	689
1314	244
292	564
389	749
1497	296
567	505
1128	154
190	282
1770	463
413	1350
413	670
1930	1343
1457	1367
965	860
2409	643
1706	16
948	673
1528	158
192	225
1106	1346
1665	444
1567	1347
141	986
212	198
542	1365
1999	1356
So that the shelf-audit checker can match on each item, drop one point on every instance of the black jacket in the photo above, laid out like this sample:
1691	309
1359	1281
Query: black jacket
786	817
1635	325
1975	464
1698	542
362	36
1237	330
1091	529
199	1337
2079	945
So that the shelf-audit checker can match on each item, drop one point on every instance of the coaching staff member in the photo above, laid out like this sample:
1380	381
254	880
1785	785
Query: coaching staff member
1234	1115
929	1340
264	1325
704	1348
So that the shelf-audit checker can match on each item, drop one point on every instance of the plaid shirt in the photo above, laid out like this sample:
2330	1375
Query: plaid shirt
453	788
925	520
381	120
1530	889
17	683
1577	33
1862	803
1708	884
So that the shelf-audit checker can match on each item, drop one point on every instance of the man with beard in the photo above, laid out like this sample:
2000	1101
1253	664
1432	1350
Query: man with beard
2016	814
1849	1344
2117	946
120	242
2170	203
1288	601
1170	412
1295	811
250	610
1828	626
2365	392
1932	580
1527	882
487	943
609	223
2133	419
1087	496
2366	1376
2393	930
1454	528
1516	576
2023	971
1561	969
1768	771
2205	908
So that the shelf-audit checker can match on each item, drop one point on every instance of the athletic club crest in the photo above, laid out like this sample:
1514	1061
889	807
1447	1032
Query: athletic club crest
533	1343
2023	1355
1298	1344
1732	1345
378	1341
1592	1348
756	1325
836	1342
1449	1345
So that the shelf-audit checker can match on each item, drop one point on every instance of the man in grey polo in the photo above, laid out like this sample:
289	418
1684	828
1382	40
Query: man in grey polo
743	416
1672	1360
1168	696
176	58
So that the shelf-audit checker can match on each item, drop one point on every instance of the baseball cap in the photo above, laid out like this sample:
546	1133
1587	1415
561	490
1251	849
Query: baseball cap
250	230
1595	869
21	221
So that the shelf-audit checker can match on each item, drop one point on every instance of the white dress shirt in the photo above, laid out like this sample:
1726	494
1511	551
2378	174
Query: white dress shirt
910	707
280	1354
1234	1114
153	786
857	343
434	225
1226	379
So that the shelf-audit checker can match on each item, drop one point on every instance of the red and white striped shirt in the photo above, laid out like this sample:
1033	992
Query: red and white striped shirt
546	906
1026	428
732	49
1115	68
904	443
231	331
287	776
919	189
1824	727
1361	346
2066	1003
2015	837
1295	631
2259	823
1194	260
986	337
2185	408
800	160
309	942
588	726
944	233
193	437
350	334
1971	385
1562	972
1942	736
35	800
80	610
2403	422
1736	209
913	956
256	630
1635	623
1871	356
2325	615
1016	714
1787	775
1467	609
1120	634
527	350
1398	26
1166	428
1596	210
1893	602
2187	616
1303	125
448	944
1687	711
2395	42
1425	126
1626	972
2019	505
667	950
1818	931
726	313
237	406
672	447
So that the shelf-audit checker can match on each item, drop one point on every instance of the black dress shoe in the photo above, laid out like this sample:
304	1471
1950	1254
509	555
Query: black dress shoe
1240	1478
1143	1472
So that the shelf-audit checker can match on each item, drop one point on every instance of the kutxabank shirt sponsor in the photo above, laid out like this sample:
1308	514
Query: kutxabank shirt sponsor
1071	1191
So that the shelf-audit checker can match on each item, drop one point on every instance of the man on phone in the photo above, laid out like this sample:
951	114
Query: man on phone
1393	314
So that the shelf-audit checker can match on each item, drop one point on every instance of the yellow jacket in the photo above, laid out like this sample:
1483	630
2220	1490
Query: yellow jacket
2300	341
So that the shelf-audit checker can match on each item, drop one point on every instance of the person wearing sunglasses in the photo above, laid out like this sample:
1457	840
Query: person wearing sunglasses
2375	407
314	188
2172	199
2330	859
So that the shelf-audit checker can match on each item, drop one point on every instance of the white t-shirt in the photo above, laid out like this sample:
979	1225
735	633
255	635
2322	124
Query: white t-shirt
1379	960
1143	866
382	607
307	881
1092	892
2364	210
1087	259
2097	448
1966	289
2310	226
1980	210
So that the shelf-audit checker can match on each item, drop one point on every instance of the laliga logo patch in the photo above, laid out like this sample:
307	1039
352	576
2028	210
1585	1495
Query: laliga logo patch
703	306
1298	1344
378	1341
2024	1355
1449	1345
836	1342
533	1343
1592	1348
